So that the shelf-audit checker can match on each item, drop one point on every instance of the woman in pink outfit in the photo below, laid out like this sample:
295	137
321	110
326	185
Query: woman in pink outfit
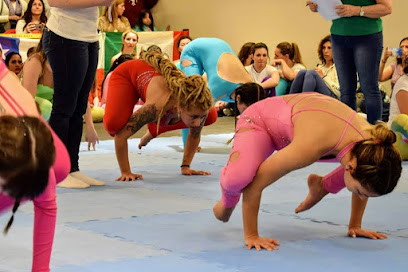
32	161
303	128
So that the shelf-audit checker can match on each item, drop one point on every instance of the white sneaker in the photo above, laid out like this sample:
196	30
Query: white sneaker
72	183
88	180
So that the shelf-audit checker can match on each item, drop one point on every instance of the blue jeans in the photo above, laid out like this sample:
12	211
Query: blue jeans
310	81
73	66
359	55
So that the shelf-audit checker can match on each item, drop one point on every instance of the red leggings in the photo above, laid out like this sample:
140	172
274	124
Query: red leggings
152	127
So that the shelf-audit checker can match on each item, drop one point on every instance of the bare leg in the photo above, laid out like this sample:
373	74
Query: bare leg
316	193
221	213
145	139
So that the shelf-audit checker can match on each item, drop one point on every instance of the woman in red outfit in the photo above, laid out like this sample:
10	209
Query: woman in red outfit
171	99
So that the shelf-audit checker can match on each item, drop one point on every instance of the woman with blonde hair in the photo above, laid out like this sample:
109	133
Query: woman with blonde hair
129	42
289	62
171	99
112	19
370	165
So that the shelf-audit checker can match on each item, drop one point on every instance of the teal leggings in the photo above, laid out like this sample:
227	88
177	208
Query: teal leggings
283	87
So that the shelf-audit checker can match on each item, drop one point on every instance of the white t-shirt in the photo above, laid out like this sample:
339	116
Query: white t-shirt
401	85
258	77
75	24
295	68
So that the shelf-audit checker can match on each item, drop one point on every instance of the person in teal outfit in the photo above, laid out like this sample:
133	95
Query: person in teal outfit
357	43
214	57
145	22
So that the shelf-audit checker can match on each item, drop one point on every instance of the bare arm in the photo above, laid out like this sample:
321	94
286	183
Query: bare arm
146	114
382	8
287	72
271	82
402	100
91	136
385	74
77	4
358	206
276	166
357	211
193	140
31	70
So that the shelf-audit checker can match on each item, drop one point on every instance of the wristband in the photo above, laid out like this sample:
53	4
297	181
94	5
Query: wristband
184	165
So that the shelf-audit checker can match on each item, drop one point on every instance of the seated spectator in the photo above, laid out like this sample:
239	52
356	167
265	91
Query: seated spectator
323	78
261	72
145	23
129	42
113	20
11	12
288	60
398	120
396	69
34	19
14	62
181	43
246	55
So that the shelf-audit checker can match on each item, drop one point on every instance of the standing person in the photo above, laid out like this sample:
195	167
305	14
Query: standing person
323	78
32	161
70	43
369	164
357	42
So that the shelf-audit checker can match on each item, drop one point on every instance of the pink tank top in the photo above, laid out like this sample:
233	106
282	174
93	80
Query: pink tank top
320	97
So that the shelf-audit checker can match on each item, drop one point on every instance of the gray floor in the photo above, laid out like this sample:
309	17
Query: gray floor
165	222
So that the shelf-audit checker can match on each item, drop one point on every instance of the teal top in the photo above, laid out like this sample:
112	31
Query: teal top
145	29
356	25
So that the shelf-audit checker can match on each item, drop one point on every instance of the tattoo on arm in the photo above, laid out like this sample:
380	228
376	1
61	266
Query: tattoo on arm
196	132
146	114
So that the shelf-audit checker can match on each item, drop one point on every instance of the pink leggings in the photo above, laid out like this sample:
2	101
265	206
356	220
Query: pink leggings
235	176
45	209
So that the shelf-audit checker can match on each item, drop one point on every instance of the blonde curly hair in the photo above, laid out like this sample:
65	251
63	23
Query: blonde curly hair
188	91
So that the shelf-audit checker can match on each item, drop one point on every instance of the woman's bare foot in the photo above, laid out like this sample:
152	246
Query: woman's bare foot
221	213
145	139
316	193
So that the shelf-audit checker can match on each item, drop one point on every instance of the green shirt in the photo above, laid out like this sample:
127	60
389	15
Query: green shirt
356	25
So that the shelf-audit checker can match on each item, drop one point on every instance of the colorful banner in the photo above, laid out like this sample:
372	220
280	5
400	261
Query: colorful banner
110	44
9	43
